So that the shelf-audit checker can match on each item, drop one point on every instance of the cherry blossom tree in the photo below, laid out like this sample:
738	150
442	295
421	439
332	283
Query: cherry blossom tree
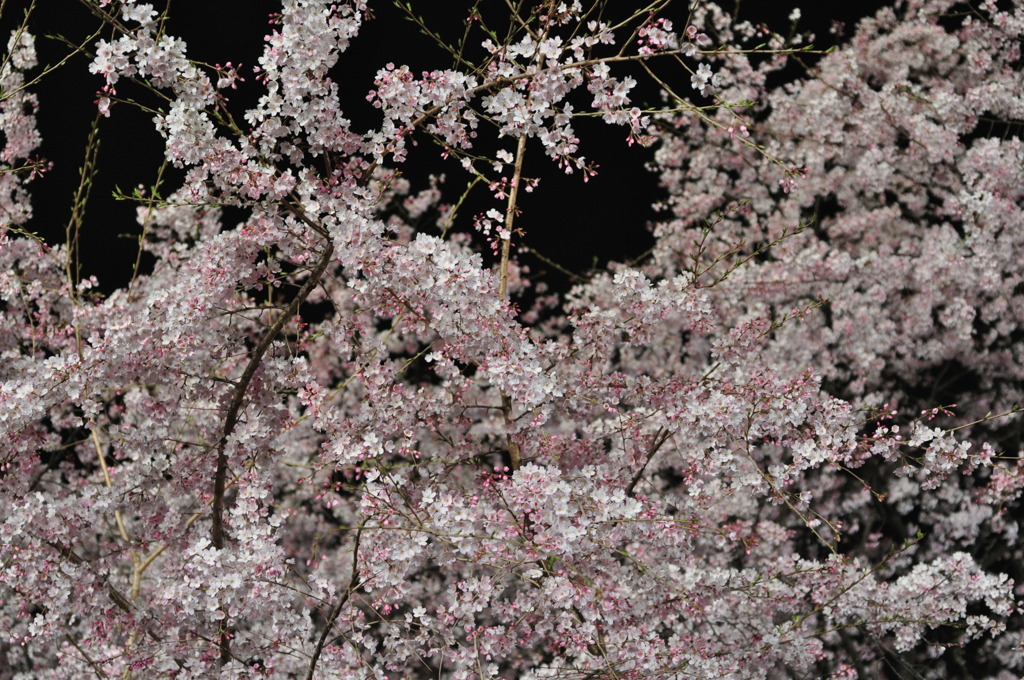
347	435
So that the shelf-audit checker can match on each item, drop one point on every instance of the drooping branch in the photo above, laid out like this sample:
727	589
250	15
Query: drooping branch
238	395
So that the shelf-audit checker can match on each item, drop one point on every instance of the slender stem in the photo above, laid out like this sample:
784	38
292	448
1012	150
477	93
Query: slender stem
145	228
353	583
515	456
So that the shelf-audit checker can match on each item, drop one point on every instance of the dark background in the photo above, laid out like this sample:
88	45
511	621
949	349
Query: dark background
577	224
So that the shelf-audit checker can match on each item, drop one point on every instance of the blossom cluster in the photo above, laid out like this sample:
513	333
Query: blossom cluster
321	440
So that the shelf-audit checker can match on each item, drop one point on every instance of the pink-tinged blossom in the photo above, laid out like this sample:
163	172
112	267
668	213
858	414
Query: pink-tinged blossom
18	125
704	80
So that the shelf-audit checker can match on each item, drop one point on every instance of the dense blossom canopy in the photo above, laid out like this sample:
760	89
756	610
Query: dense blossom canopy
347	436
